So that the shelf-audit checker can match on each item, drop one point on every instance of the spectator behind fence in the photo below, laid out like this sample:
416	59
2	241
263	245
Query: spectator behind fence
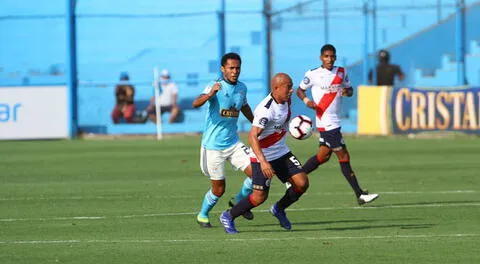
124	107
168	99
386	72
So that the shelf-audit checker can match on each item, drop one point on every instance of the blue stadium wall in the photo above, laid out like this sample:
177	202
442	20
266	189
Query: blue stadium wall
35	54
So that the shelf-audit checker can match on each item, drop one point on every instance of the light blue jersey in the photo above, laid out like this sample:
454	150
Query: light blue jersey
222	115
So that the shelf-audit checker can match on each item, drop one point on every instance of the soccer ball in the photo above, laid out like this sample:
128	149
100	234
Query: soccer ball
300	127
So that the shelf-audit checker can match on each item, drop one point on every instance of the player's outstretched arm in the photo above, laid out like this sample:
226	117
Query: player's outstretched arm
303	96
201	99
267	169
247	112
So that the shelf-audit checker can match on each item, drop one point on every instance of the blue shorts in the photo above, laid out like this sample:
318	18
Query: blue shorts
285	167
332	139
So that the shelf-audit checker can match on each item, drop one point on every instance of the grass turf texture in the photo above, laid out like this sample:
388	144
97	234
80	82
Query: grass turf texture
135	201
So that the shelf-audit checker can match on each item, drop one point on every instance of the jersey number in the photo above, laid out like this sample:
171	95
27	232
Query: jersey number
245	149
294	160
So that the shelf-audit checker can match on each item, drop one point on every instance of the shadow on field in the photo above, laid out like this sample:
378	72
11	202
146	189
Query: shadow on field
341	221
401	226
297	227
349	221
429	203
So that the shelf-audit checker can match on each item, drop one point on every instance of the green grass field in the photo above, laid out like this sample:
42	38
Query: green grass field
135	201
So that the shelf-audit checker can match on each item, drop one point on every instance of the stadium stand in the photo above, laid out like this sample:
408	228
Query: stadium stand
108	45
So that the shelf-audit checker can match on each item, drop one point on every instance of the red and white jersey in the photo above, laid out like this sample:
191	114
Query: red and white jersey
327	94
273	118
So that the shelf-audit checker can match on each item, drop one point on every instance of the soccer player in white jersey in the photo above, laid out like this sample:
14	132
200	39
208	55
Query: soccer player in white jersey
329	84
271	156
225	98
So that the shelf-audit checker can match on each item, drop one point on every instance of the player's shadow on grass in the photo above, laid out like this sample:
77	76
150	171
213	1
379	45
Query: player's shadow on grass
297	227
425	203
341	221
401	226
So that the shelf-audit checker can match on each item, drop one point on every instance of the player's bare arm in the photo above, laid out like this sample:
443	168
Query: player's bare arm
348	92
201	99
301	94
267	169
247	112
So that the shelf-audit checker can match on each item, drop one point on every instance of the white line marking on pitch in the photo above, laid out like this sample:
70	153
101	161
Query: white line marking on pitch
93	241
114	197
263	211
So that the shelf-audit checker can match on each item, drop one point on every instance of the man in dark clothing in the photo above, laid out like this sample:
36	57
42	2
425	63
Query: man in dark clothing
124	93
386	72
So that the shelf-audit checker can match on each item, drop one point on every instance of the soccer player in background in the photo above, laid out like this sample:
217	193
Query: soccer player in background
329	83
271	156
225	98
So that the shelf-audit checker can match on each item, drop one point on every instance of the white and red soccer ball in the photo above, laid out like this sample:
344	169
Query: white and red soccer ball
300	127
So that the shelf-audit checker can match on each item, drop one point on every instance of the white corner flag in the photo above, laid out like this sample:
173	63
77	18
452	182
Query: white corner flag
156	82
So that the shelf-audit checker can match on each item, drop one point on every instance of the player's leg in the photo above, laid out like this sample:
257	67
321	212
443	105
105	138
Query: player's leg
261	186
338	145
289	169
347	171
322	156
240	160
212	165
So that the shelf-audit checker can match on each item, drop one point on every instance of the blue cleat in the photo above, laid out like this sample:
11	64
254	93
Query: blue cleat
227	221
281	216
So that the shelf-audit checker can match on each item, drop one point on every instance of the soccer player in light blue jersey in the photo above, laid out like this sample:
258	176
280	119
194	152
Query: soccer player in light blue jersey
225	99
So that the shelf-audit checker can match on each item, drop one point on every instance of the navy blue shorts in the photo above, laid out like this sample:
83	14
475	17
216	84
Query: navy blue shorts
332	139
285	167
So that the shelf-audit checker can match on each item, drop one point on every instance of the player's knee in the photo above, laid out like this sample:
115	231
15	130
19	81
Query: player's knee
343	156
218	190
257	198
323	157
302	187
218	193
300	184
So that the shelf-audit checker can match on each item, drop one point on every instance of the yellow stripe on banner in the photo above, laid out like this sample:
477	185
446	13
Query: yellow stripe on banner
372	110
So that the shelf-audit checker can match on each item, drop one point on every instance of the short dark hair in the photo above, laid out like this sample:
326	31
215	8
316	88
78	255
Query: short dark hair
230	56
328	47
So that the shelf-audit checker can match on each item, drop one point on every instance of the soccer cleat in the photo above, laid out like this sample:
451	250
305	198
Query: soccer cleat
247	215
281	216
203	222
366	198
227	221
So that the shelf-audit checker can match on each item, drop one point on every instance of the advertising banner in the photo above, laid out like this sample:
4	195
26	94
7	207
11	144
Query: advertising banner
383	110
33	112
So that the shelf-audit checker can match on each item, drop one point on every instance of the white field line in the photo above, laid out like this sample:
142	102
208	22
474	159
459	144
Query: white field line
431	205
157	241
115	197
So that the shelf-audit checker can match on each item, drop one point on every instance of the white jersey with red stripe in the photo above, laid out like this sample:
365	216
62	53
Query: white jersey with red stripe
326	88
273	118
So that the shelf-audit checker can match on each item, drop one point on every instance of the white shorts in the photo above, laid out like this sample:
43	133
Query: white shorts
212	162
